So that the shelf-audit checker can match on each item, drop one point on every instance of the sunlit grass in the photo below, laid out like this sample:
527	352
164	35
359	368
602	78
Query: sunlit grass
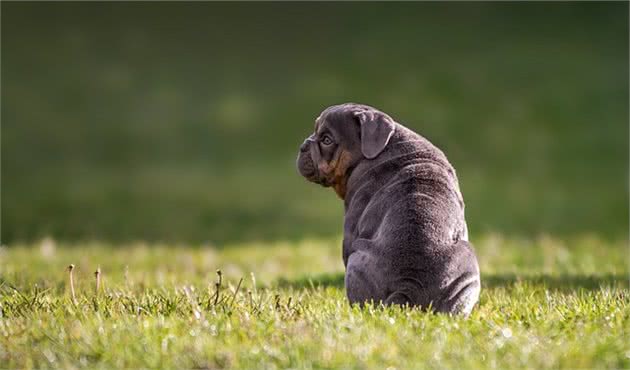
545	303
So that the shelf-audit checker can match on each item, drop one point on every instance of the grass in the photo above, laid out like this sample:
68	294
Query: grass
545	303
183	122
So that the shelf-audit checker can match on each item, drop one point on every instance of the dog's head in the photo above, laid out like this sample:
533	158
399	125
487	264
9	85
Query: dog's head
344	135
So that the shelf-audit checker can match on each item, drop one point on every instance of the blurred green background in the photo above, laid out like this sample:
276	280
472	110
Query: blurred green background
181	121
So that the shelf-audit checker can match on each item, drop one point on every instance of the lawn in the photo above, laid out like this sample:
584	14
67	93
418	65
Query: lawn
177	124
545	303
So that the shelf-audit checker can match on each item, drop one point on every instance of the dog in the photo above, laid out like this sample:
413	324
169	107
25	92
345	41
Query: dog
405	237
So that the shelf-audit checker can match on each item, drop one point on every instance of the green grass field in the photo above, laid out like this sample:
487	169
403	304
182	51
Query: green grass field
179	122
545	303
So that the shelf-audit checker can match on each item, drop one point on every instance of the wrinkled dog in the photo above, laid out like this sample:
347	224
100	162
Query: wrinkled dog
405	236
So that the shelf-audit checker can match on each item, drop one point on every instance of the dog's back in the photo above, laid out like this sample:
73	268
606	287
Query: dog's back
405	223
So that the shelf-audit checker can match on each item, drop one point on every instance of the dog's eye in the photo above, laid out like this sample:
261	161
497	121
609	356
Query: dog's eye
326	140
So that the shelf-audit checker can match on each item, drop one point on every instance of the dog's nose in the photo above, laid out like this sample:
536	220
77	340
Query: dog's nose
304	146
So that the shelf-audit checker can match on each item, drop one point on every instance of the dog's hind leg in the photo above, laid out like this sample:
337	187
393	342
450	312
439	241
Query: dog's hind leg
462	293
399	298
362	278
463	297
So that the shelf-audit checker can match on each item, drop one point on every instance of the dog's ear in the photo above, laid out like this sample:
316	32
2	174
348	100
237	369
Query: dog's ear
376	130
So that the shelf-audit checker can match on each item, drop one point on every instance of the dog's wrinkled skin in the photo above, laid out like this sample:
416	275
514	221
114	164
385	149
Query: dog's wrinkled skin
405	236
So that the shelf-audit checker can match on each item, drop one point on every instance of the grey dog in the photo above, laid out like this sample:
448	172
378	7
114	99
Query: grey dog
405	236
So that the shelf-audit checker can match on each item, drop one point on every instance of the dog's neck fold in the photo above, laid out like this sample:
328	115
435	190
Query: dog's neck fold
404	147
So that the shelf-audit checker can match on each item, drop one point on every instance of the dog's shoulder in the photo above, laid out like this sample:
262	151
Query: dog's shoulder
411	182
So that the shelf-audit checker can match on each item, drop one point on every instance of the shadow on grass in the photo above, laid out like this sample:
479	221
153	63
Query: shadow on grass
322	280
563	282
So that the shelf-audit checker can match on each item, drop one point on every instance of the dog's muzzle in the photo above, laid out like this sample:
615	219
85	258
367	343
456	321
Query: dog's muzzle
305	164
